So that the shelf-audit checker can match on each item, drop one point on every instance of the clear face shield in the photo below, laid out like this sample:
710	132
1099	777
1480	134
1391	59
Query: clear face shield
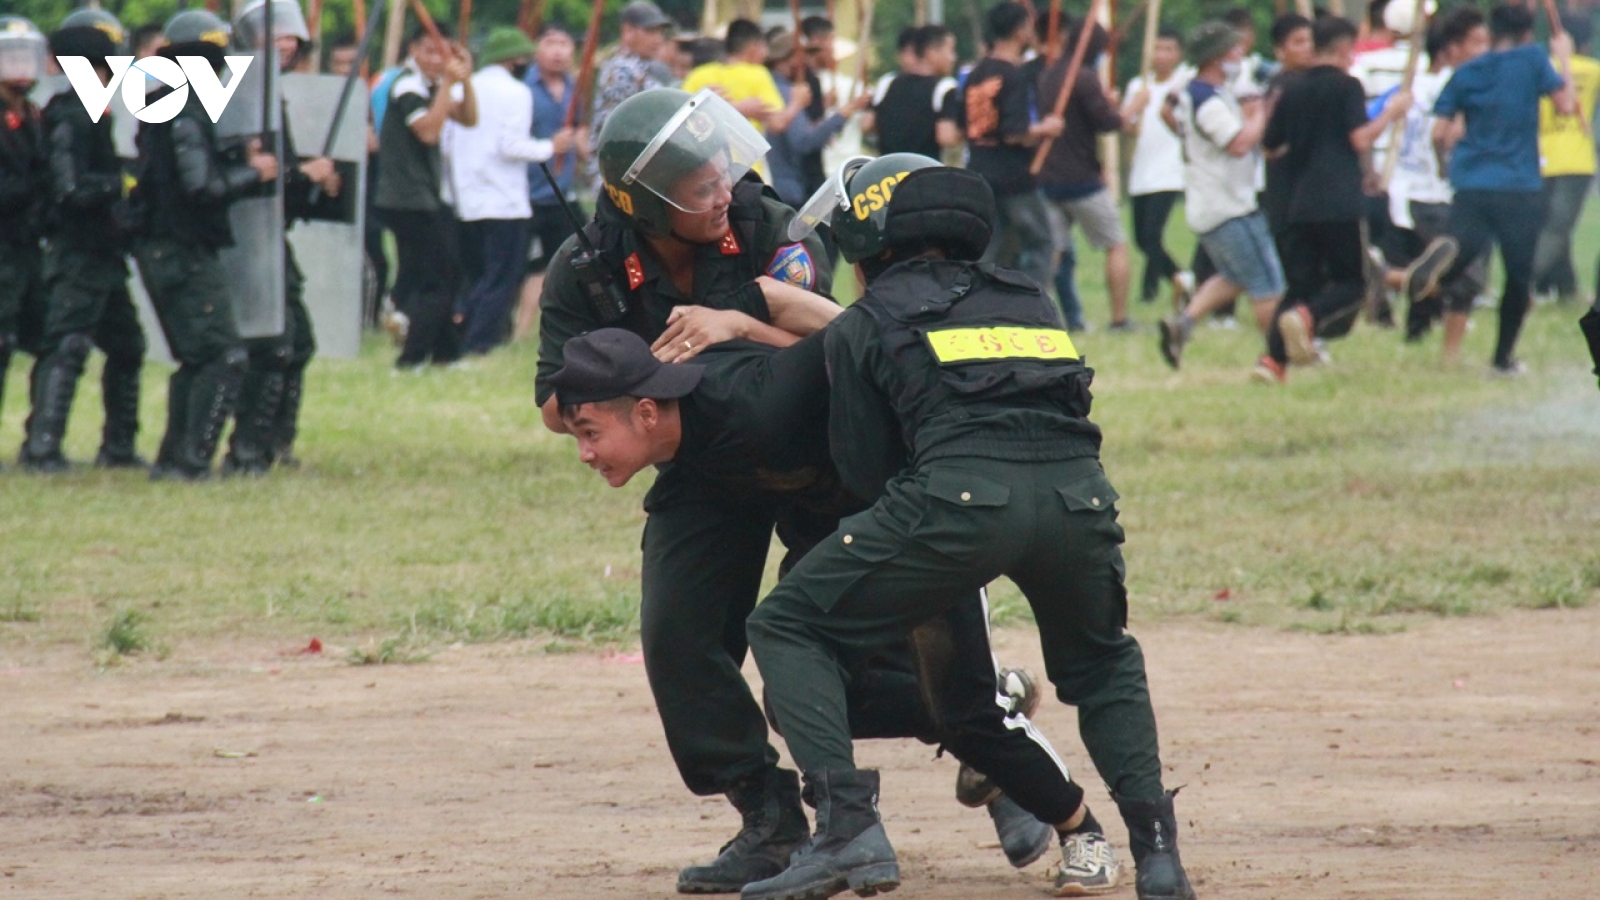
834	195
697	157
249	29
22	51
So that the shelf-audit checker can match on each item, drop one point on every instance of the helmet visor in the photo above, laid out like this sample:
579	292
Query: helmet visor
833	195
697	157
22	53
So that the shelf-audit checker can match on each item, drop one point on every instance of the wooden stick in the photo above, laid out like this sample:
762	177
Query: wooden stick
591	42
314	25
529	17
1152	30
358	11
1052	40
394	33
1304	8
1419	28
864	46
1071	81
1113	28
1119	33
432	27
464	22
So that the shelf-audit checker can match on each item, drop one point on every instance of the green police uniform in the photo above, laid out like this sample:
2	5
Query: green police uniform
961	405
23	192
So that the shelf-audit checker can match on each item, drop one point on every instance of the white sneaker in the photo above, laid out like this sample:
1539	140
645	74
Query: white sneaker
1088	866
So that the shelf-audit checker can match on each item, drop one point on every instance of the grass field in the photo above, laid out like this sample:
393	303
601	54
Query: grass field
433	508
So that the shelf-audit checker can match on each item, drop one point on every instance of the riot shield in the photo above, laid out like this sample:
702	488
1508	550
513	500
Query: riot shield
330	248
255	261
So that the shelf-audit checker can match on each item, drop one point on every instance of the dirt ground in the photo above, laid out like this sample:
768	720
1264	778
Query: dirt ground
1461	757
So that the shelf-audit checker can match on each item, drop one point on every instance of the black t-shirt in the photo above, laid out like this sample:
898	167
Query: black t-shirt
998	104
1313	120
909	113
409	170
1275	196
757	425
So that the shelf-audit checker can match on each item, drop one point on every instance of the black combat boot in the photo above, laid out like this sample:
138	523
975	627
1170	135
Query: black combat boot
54	382
774	827
250	447
1023	837
211	400
287	427
179	387
849	852
119	389
1153	838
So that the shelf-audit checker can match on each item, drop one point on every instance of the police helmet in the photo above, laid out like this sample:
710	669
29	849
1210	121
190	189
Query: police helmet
104	21
249	26
83	40
196	32
655	141
903	200
22	50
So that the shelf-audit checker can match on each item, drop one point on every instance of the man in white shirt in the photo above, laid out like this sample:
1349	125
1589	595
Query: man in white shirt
1222	147
1155	180
489	180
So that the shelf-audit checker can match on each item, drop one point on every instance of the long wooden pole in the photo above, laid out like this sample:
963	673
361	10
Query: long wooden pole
1052	39
1152	30
358	11
314	25
393	33
1556	30
864	46
1071	81
464	21
432	27
529	17
580	88
1419	28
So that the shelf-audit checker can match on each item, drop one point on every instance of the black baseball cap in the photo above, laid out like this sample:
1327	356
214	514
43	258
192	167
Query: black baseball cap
644	14
611	362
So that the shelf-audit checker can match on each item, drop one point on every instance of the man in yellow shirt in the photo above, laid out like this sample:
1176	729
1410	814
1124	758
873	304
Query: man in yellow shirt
1567	161
744	80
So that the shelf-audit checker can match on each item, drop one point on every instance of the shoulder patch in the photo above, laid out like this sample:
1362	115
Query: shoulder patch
792	264
730	244
635	270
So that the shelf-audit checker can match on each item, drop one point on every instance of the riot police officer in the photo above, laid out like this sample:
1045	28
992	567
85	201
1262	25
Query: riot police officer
186	183
24	186
985	464
268	414
86	273
678	224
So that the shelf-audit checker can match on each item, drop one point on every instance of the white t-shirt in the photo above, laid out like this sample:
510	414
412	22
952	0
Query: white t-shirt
1416	175
1157	154
1379	72
1218	186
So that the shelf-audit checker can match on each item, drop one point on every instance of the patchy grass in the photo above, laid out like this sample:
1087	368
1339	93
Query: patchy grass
434	509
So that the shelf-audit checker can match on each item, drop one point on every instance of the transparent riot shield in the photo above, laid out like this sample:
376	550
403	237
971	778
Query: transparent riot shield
255	261
329	247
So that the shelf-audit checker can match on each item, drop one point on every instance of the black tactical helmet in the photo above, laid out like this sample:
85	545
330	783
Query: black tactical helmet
654	139
22	50
197	26
901	200
104	21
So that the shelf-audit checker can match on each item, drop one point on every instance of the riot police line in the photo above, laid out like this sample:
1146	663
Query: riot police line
203	242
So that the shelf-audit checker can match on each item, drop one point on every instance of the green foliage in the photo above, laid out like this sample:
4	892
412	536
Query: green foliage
126	634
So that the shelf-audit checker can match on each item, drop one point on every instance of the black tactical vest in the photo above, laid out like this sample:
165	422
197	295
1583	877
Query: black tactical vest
972	341
163	209
24	175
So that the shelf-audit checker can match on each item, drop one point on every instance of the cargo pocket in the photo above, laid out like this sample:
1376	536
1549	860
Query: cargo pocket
1091	494
962	514
831	569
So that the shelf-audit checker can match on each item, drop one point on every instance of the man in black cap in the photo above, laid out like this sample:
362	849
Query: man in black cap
632	69
748	424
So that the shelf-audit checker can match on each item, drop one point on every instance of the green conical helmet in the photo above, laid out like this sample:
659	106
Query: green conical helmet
862	222
654	141
104	21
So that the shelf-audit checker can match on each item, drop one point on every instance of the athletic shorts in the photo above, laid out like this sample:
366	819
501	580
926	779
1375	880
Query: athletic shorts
1098	216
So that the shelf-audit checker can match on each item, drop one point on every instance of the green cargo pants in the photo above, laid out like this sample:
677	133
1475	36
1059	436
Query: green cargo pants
936	537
